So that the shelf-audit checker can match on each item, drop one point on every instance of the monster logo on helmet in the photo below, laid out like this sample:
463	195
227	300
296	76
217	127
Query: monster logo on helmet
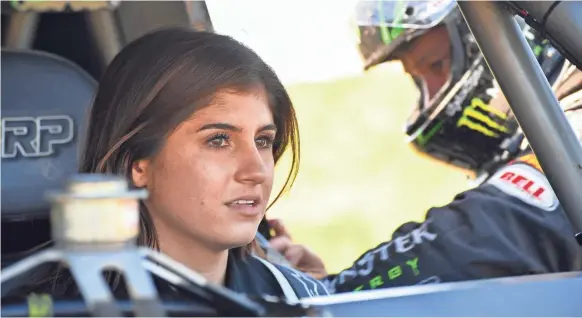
454	120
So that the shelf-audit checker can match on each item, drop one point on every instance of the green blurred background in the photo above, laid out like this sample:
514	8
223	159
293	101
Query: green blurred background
358	179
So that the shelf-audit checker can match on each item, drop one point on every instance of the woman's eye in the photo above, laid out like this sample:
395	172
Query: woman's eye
264	142
219	141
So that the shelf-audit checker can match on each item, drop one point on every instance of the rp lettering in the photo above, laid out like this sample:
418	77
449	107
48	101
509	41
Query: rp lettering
35	136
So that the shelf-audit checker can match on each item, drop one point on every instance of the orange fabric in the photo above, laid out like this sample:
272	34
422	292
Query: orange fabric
531	160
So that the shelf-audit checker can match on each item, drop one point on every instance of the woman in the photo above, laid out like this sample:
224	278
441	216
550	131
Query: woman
199	120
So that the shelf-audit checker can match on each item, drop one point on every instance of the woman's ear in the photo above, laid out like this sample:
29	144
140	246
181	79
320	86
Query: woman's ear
139	173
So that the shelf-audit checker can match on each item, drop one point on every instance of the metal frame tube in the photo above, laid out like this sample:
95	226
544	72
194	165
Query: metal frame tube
21	30
531	99
106	34
563	24
199	15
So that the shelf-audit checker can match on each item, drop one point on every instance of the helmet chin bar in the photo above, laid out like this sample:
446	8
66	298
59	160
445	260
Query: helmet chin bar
95	224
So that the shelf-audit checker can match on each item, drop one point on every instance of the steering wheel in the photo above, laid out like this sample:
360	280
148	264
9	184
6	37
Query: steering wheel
196	296
106	202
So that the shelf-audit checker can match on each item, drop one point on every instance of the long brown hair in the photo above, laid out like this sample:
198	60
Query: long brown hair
157	82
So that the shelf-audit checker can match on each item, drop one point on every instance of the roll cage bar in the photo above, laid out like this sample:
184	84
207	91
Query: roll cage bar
527	90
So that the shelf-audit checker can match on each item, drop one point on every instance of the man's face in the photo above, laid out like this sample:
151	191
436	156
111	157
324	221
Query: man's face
428	58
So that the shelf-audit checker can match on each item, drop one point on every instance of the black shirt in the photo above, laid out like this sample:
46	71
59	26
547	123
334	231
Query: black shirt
249	276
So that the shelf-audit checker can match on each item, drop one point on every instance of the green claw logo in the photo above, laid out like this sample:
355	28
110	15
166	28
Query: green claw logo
478	121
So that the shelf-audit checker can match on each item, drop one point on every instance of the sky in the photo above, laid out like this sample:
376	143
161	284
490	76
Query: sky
303	40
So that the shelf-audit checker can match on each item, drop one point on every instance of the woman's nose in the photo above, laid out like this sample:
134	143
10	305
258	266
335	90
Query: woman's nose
252	168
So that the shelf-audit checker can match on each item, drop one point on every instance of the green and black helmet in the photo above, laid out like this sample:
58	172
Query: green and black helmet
457	125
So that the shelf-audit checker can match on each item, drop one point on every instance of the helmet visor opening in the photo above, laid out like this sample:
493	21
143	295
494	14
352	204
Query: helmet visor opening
428	59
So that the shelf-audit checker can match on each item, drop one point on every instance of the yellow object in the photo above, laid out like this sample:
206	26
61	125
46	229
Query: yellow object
531	160
40	305
485	124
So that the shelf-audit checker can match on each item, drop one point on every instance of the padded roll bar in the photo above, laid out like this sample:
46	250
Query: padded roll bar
531	99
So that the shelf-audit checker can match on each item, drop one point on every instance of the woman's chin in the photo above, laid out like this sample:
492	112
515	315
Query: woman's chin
240	235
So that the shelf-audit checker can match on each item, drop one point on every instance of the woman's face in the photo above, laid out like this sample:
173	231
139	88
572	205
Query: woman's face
212	179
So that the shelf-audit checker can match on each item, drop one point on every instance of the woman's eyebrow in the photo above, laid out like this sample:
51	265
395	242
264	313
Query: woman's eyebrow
268	127
220	126
230	127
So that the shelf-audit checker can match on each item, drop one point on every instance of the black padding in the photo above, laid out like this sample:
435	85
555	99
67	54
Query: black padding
45	104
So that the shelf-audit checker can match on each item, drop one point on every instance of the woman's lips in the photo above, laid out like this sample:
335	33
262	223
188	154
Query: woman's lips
249	206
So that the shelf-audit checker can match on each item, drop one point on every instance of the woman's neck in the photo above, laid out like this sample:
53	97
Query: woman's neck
209	263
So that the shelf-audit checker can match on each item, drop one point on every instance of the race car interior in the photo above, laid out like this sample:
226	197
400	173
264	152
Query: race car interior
35	104
46	96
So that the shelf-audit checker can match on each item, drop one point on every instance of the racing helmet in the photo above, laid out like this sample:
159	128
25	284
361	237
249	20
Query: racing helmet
455	122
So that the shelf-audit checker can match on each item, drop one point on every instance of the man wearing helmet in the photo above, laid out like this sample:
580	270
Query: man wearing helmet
512	223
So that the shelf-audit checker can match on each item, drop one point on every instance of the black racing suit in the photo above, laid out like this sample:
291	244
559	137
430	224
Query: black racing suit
510	225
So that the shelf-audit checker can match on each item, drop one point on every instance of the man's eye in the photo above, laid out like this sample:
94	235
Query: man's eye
437	66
